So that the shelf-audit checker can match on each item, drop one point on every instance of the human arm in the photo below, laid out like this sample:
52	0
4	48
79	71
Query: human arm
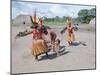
63	30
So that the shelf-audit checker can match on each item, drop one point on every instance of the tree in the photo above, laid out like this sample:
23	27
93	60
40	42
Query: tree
92	12
64	18
57	18
84	15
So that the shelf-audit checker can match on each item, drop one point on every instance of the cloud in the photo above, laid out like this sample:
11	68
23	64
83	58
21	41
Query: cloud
57	10
46	9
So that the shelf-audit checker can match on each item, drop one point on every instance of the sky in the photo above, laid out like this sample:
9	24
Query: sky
46	9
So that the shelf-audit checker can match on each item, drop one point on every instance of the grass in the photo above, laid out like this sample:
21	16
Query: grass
58	23
54	23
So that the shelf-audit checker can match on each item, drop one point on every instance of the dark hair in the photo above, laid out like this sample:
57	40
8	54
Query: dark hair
36	26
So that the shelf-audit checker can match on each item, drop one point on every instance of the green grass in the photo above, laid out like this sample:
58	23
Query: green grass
54	23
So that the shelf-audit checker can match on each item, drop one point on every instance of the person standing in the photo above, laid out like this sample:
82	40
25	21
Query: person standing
70	32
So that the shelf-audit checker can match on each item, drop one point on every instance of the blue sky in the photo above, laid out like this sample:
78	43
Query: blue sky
46	9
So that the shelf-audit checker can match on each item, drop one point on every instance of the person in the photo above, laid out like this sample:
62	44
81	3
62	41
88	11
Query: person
70	32
51	38
38	45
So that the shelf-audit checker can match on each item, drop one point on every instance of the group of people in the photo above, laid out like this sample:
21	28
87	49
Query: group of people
45	39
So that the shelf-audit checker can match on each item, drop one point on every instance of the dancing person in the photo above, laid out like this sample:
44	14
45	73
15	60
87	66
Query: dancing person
70	32
38	46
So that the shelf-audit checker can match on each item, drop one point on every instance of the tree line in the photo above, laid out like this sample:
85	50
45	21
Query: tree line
84	16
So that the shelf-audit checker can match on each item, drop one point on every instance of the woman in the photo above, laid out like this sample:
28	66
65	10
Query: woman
70	33
38	45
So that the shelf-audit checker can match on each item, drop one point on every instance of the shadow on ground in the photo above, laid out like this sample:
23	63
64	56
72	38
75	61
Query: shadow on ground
76	43
79	43
54	55
62	51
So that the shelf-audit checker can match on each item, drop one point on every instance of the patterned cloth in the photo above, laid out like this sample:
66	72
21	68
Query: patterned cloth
70	34
39	47
71	37
36	34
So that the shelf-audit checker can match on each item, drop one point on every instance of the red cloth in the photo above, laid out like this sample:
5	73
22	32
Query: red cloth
36	34
70	30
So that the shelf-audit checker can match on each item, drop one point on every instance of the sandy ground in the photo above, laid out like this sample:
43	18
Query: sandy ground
74	57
